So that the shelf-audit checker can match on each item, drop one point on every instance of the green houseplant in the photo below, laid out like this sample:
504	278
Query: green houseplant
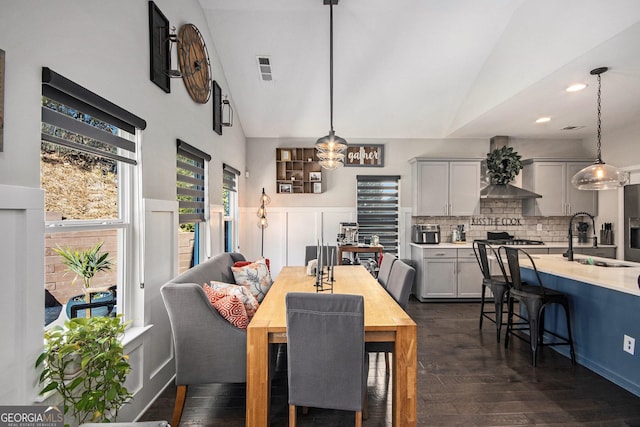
503	164
85	263
97	391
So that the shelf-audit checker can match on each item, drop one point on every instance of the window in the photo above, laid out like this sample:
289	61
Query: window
191	181
230	204
378	200
87	171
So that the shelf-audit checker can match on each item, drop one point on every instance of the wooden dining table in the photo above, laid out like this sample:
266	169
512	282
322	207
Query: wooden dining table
384	319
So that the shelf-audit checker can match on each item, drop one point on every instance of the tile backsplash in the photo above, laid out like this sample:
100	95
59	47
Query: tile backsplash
502	215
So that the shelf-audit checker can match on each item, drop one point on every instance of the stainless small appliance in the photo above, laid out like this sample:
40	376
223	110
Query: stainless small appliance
632	222
426	234
348	234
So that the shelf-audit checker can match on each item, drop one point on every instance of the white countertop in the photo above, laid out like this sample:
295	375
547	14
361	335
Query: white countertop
622	279
469	245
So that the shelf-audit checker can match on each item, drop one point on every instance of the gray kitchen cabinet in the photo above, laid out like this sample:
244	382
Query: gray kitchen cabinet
446	273
551	178
440	278
469	277
556	251
606	252
445	187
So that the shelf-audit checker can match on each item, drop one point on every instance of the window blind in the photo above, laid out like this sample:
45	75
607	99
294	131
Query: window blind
229	177
76	118
377	207
191	183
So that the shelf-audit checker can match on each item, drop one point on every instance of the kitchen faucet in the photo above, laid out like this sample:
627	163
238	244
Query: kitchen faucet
569	253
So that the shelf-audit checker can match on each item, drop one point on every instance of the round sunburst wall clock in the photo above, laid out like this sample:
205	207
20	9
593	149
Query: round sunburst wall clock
194	63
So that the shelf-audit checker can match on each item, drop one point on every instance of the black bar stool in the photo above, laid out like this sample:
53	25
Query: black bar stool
497	283
535	298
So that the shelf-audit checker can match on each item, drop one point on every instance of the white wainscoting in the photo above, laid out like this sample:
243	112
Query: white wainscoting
151	354
22	287
291	229
215	242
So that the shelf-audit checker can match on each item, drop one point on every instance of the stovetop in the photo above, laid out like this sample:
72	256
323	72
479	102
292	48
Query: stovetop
504	238
509	242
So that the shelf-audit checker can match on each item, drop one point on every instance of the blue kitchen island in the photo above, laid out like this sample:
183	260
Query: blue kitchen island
605	306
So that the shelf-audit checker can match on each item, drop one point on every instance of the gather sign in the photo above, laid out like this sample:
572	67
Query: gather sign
365	155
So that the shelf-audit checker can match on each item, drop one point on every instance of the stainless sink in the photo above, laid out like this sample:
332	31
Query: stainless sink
600	263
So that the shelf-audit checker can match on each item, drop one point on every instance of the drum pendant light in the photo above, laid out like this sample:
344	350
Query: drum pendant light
331	148
599	175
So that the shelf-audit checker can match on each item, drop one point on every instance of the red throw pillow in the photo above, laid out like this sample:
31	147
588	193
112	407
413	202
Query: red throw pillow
232	309
229	306
245	263
220	289
212	294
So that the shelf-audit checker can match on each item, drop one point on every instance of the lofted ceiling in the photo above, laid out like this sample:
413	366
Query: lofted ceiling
429	68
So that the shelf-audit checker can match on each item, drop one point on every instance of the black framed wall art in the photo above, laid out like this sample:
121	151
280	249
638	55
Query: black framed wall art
159	44
217	107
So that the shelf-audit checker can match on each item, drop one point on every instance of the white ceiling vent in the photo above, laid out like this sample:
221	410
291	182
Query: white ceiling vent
572	127
264	68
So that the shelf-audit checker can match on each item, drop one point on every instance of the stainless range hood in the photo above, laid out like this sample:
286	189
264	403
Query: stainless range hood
507	191
504	191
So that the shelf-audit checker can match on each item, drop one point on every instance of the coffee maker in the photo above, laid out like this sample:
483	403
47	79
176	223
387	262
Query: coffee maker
348	234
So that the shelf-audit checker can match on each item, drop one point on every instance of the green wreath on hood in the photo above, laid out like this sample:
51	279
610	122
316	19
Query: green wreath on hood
503	165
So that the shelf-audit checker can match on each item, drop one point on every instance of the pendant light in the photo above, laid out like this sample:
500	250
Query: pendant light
331	148
262	218
599	175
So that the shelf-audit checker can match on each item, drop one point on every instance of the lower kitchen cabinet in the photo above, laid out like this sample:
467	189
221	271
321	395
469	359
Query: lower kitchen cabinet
446	274
606	252
439	280
469	278
602	252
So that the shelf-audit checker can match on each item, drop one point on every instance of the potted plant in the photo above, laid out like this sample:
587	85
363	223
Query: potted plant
97	391
85	263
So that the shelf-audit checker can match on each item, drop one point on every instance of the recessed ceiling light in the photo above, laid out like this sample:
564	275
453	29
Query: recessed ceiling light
576	87
543	120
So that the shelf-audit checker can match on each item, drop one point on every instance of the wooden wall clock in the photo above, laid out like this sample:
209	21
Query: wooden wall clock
194	63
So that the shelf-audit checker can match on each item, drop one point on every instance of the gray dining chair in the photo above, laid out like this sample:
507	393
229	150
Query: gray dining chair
399	287
326	362
400	282
311	252
385	268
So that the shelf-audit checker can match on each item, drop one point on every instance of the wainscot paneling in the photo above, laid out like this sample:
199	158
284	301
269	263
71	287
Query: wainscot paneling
216	230
21	305
291	229
302	229
152	352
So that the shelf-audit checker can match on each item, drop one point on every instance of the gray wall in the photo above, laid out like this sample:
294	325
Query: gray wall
103	46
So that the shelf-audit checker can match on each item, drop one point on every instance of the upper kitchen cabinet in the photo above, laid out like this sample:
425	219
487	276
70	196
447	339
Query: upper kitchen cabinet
552	179
445	187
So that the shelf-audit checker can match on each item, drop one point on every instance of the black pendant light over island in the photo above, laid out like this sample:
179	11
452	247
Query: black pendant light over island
599	175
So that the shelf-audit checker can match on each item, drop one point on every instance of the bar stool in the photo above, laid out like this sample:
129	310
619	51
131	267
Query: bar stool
535	298
497	283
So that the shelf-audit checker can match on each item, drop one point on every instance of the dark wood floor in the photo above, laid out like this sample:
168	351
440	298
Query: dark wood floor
464	379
